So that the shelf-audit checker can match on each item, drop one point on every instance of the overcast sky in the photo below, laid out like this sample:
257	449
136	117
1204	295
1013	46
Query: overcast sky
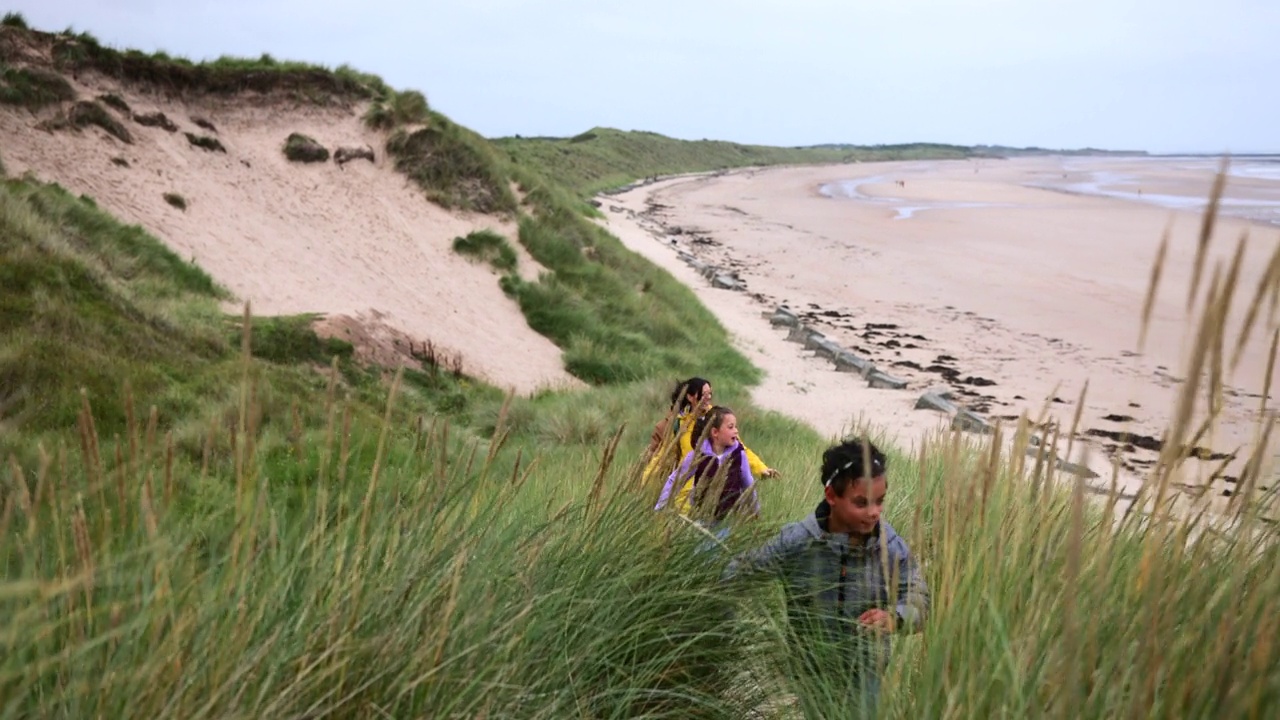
1158	75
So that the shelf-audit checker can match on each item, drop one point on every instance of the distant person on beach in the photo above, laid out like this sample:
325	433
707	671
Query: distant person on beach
673	438
717	474
850	579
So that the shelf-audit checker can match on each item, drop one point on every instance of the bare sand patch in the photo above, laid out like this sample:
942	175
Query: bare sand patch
355	239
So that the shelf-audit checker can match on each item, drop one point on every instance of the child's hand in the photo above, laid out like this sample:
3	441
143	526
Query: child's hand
878	619
771	473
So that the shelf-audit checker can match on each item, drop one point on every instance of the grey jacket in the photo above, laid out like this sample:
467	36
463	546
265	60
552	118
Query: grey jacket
810	561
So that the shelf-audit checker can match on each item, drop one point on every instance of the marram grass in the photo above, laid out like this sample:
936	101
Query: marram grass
427	572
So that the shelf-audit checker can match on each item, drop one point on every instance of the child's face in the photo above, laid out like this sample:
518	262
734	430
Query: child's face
727	433
701	401
858	510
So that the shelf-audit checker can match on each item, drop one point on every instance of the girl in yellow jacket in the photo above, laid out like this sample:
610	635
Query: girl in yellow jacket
672	439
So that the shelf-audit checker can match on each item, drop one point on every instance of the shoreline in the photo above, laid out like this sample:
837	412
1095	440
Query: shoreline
805	382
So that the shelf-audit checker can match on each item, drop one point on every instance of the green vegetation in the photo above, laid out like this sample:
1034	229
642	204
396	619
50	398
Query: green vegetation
303	148
224	76
84	113
176	200
33	88
14	20
488	246
456	167
396	108
604	158
618	318
91	303
192	530
363	555
95	306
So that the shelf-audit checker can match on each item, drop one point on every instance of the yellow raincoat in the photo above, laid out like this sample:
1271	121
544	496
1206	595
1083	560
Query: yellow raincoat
669	448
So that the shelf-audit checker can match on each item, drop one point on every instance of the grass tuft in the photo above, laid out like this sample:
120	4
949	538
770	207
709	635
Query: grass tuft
83	114
176	200
395	109
487	245
456	167
33	88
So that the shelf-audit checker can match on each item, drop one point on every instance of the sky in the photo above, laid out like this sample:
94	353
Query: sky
1155	75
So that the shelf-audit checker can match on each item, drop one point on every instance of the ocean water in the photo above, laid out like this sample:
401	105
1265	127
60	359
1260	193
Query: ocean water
1113	178
1263	207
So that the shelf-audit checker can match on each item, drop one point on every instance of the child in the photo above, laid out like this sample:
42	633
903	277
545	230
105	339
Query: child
850	579
673	437
717	477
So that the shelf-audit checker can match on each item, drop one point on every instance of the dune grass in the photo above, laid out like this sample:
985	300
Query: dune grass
33	88
78	52
488	246
398	108
85	113
349	563
605	158
207	532
617	317
456	167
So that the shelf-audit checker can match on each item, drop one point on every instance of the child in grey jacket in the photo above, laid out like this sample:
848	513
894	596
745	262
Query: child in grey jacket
850	579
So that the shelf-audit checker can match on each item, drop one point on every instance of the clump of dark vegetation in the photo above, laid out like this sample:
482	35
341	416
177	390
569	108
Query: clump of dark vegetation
455	166
303	148
203	123
487	245
155	119
115	101
14	20
176	200
85	113
33	88
120	161
205	142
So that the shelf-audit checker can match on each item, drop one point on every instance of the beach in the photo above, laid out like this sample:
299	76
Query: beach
1010	283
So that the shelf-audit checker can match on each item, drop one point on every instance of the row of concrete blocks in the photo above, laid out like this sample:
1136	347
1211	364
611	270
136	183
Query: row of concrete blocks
969	421
825	347
718	277
942	400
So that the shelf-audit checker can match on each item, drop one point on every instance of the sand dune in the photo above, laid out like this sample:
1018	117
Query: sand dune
357	241
1025	292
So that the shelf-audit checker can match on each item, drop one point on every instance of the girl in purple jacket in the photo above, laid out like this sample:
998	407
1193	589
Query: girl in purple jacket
718	462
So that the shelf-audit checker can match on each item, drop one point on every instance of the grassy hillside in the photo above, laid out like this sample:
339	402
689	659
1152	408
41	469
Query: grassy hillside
617	318
603	158
245	523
